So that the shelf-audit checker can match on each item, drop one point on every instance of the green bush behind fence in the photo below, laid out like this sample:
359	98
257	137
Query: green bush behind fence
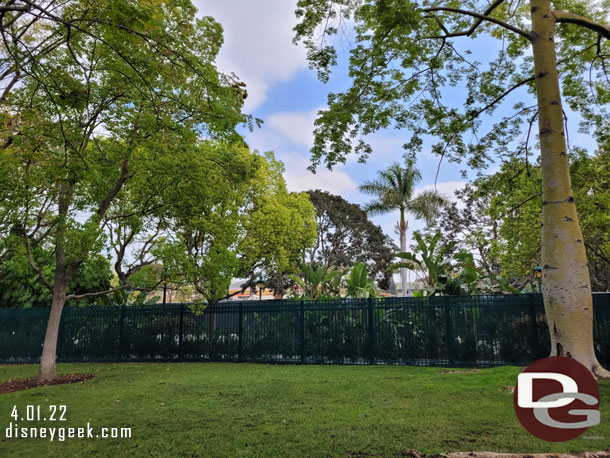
450	330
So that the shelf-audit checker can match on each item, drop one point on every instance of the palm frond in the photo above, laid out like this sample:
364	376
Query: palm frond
393	187
427	205
376	207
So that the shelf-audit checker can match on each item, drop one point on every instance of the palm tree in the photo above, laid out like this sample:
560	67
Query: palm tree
394	189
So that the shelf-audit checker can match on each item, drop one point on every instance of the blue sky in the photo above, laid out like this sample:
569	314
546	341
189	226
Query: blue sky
286	95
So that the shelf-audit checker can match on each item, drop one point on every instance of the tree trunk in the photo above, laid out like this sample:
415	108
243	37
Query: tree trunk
402	230
566	286
212	325
49	350
61	280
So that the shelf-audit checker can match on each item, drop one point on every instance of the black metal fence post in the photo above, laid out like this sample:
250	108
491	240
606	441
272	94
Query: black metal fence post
371	330
181	331
240	332
60	334
449	330
302	332
534	343
121	324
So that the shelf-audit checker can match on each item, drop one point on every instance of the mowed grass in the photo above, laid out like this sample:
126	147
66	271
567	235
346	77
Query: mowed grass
210	410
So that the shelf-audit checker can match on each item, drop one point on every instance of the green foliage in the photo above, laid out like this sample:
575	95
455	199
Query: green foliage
233	218
501	218
129	298
94	274
449	274
20	287
100	122
406	60
318	283
394	189
346	236
358	283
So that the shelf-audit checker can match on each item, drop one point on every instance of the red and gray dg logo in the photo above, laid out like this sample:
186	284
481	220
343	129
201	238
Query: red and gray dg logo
557	399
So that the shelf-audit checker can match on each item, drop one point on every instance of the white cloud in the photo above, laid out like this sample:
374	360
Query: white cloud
258	42
298	178
296	126
386	149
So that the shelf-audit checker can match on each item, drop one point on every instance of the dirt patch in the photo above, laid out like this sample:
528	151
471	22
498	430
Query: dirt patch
517	455
416	454
510	389
28	383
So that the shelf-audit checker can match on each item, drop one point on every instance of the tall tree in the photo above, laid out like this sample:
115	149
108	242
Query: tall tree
394	189
123	88
403	66
346	236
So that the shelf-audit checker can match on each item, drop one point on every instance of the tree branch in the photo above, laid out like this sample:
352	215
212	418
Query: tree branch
474	26
37	269
571	18
248	284
597	252
500	97
99	293
480	16
522	203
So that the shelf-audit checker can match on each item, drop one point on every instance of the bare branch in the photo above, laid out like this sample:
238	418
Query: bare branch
529	133
474	26
99	293
500	97
482	17
571	18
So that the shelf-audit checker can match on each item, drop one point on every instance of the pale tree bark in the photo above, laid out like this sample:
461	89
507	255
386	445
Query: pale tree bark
402	230
49	350
566	286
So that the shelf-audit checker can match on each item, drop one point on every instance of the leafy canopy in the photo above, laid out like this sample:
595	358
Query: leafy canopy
405	64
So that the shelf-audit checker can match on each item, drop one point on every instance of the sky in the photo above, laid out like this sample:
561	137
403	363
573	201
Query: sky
286	95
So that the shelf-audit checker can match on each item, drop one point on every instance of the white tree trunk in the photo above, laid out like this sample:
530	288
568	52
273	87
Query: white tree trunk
565	281
402	230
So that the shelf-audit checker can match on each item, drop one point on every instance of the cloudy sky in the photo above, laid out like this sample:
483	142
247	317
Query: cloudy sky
286	95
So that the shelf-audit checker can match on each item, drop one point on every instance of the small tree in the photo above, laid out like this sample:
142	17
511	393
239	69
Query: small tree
120	89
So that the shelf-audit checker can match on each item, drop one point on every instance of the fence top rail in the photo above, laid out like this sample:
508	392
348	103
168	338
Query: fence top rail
283	305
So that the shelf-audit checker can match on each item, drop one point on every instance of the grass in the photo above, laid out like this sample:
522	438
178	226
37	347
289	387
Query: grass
216	410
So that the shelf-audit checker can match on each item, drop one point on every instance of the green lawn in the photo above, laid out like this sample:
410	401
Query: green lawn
206	409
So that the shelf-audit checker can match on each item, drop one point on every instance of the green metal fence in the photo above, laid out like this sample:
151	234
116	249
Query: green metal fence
457	330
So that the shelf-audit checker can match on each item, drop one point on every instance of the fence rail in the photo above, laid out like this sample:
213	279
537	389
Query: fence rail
454	330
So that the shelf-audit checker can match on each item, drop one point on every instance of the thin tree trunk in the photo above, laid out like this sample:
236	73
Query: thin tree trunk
49	350
402	230
60	289
566	286
212	323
